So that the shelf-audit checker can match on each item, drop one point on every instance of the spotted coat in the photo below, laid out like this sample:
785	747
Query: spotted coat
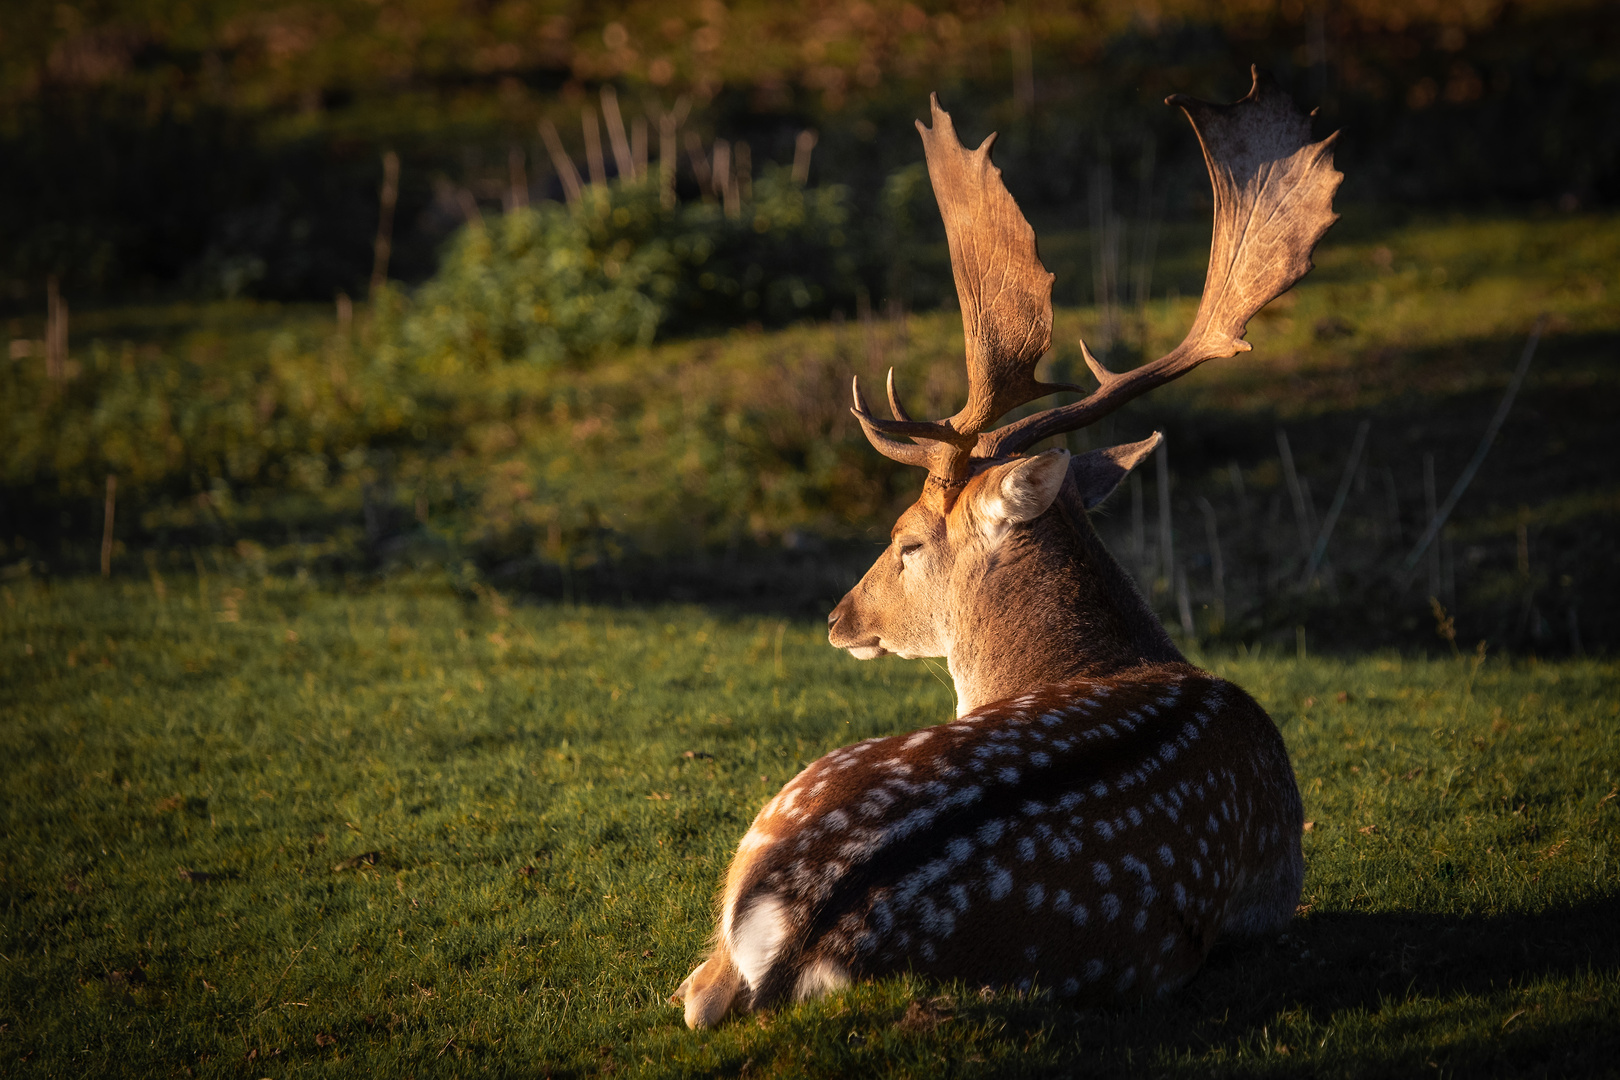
1092	838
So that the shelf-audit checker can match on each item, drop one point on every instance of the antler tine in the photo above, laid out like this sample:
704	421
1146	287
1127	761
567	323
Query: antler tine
907	453
894	400
1102	374
1006	299
1273	191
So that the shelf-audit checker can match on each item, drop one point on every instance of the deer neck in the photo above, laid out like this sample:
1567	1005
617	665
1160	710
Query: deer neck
1050	605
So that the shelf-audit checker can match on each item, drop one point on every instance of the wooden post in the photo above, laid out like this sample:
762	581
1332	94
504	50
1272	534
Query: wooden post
622	158
56	331
1430	512
384	244
107	525
669	124
666	161
700	164
1319	550
1296	493
1234	473
567	171
1167	551
725	178
1138	531
593	146
517	180
1217	567
1184	604
802	146
638	147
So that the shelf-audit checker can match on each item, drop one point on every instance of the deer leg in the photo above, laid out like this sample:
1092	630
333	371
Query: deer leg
713	989
1266	903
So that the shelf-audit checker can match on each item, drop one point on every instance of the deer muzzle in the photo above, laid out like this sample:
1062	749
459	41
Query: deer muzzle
844	631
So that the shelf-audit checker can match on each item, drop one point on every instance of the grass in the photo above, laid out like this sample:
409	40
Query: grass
257	827
329	451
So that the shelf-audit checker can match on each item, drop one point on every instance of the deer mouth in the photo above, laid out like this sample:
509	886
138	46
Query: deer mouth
865	648
865	652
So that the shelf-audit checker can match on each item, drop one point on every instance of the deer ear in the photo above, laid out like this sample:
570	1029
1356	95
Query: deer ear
1098	472
1022	490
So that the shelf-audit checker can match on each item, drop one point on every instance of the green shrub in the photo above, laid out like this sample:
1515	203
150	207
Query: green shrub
554	284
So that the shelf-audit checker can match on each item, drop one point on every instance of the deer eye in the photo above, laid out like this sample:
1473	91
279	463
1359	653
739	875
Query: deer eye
909	548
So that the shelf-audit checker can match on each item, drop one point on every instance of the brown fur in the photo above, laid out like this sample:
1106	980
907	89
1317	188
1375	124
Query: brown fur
972	850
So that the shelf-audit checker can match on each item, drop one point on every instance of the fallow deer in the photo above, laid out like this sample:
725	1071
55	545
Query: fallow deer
1101	810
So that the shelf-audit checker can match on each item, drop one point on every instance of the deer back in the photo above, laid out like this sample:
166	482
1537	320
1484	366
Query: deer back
1093	837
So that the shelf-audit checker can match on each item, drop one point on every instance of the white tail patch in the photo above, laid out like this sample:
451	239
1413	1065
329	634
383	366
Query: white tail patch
756	937
820	977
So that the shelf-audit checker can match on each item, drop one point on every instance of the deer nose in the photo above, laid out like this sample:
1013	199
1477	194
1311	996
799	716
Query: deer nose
837	614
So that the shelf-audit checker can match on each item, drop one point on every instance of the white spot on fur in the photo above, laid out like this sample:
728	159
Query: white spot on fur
1166	856
757	935
819	978
990	832
918	739
1140	922
1034	896
1026	848
1126	979
1100	871
1094	970
1110	906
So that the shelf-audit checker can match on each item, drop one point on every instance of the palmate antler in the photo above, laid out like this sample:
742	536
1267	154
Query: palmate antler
1273	191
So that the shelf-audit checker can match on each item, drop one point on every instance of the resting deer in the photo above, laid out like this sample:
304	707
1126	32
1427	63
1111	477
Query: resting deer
1100	810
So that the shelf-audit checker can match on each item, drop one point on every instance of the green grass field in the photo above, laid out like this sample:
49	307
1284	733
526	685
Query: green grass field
260	827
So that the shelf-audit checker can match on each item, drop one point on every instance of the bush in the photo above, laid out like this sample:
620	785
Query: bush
555	285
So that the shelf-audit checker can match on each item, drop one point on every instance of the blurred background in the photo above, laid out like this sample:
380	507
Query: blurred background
564	298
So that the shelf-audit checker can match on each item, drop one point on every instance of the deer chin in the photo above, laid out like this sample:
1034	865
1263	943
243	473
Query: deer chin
866	652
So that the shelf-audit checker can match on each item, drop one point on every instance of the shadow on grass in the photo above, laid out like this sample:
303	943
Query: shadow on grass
1415	992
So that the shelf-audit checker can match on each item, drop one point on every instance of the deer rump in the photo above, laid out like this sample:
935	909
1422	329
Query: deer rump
1093	838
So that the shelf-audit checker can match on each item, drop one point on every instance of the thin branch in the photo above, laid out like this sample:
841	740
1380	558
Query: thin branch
1339	496
1438	522
1295	492
567	171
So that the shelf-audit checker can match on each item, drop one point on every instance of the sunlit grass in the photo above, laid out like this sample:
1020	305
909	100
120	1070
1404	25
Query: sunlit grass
252	826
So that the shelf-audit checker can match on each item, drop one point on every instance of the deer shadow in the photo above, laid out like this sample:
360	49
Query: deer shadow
1331	964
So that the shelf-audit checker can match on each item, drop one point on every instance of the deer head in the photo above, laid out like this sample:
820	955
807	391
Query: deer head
996	567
